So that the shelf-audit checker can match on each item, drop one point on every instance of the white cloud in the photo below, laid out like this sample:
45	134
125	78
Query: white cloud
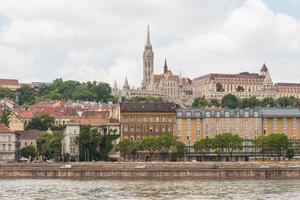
103	40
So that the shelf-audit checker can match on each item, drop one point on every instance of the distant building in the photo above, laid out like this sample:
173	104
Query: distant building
69	146
168	86
243	85
11	84
197	124
9	144
29	137
141	119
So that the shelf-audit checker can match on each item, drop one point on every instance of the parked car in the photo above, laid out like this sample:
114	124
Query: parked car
264	167
293	166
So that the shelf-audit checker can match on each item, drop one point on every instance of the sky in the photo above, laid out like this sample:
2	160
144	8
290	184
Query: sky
99	40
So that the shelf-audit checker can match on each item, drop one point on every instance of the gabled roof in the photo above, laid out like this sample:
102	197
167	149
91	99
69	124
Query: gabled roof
31	134
4	129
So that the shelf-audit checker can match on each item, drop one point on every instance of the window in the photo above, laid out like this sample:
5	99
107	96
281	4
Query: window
265	125
179	127
275	125
246	114
188	127
189	114
217	114
255	114
198	128
285	125
227	114
207	114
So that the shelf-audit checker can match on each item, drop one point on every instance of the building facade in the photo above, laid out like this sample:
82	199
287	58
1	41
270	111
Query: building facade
69	146
140	119
9	144
243	85
197	124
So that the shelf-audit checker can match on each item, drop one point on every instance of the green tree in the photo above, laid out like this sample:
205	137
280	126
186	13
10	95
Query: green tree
149	144
240	89
277	143
165	142
42	122
285	101
261	143
200	102
214	102
89	141
219	87
179	149
202	146
5	117
49	146
230	101
268	102
29	152
27	95
124	147
134	147
249	102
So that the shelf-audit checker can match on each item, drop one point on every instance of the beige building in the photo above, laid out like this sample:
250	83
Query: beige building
29	137
11	84
243	85
140	119
9	144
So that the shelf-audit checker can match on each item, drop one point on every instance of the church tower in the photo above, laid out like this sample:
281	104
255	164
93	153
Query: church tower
148	58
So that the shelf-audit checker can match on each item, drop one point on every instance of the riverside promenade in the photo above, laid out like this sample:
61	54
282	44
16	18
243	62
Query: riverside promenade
98	170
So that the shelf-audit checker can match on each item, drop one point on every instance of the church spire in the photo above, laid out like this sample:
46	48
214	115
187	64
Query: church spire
165	66
126	85
148	43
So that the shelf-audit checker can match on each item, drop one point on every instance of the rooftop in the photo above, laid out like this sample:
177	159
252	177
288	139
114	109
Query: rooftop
147	107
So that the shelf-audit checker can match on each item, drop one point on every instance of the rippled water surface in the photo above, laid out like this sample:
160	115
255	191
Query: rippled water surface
149	189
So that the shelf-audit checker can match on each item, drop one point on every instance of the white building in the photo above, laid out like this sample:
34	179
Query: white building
168	86
69	146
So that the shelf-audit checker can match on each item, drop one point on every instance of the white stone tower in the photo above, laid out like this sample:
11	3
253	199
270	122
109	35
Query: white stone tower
148	58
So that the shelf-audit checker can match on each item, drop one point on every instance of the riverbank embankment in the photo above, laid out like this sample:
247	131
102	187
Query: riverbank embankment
259	170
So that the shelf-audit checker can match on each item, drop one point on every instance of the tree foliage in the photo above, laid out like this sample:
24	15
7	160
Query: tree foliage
200	102
219	87
5	117
230	101
29	151
42	122
49	146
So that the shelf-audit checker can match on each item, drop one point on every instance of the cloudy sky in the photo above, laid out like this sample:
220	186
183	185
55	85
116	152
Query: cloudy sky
41	40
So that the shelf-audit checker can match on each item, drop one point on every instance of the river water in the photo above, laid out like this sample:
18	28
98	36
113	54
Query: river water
40	189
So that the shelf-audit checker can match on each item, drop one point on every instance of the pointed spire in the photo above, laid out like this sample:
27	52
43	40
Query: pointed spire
115	85
148	43
165	66
264	68
126	85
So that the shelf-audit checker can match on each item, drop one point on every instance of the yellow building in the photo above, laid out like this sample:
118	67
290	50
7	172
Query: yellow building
197	124
142	119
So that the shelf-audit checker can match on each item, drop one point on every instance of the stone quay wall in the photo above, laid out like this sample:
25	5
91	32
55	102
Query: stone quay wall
265	170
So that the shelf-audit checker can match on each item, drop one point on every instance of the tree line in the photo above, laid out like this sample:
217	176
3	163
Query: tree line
232	102
60	89
165	145
269	145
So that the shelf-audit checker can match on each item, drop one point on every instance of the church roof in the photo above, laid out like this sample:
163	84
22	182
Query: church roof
264	68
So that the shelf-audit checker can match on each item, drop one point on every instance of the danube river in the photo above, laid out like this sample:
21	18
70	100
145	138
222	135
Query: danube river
12	189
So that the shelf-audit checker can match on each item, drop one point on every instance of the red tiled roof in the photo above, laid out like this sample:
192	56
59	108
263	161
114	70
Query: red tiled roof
9	82
4	129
